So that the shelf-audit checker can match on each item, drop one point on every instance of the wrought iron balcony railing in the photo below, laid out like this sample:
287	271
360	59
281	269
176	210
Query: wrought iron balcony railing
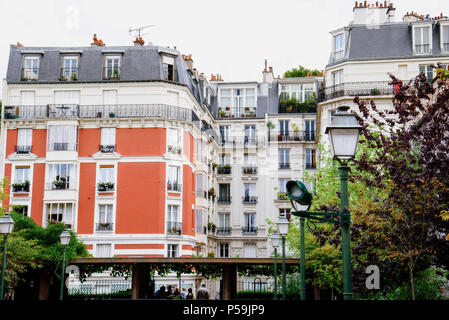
337	55
23	149
284	165
174	228
224	199
289	136
107	148
56	111
369	88
249	170
422	49
104	226
226	169
224	230
232	142
174	186
249	199
249	229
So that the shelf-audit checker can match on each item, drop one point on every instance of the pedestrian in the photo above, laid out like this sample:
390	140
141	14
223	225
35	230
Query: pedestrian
160	294
189	294
184	293
169	293
177	294
203	293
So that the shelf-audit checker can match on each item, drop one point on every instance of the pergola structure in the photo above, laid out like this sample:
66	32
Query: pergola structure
140	274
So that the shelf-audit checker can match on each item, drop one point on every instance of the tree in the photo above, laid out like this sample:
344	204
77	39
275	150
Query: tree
302	72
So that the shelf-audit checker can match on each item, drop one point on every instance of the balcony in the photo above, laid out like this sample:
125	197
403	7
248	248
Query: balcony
104	226
291	136
174	149
174	186
249	199
284	165
297	107
224	230
61	184
337	55
224	169
23	149
68	74
105	186
74	111
21	187
249	170
29	74
249	229
227	113
111	73
174	228
422	49
107	148
224	199
352	89
61	146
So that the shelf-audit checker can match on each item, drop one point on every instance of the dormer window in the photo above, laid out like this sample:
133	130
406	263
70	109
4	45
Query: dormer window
30	70
168	65
112	68
338	47
69	70
422	40
445	38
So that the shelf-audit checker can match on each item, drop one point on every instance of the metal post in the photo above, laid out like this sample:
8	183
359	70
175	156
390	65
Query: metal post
345	236
275	275
62	275
283	269
302	270
2	281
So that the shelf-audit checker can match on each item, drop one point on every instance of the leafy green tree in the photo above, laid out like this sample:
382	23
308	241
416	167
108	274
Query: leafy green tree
301	72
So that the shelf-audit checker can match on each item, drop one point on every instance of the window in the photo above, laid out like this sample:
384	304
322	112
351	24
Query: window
429	72
249	250
284	158
24	140
337	77
22	174
174	141
61	176
200	184
310	159
174	224
224	223
105	217
445	38
224	160
224	134
109	102
283	125
103	250
172	213
172	251
69	68
301	92
250	190
283	184
223	250
338	47
250	223
284	212
173	178
309	133
62	138
20	209
67	97
250	134
60	212
107	140
236	101
199	220
106	174
250	161
31	68
168	65
422	40
224	193
112	68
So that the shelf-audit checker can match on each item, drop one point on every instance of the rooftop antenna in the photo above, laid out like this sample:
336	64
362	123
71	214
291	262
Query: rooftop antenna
139	29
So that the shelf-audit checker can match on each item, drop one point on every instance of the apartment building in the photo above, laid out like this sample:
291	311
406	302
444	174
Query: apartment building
365	51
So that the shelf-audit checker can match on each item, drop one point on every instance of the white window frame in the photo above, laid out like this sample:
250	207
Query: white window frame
24	137
338	53
224	220
309	157
422	26
113	66
34	73
72	69
172	251
444	45
223	250
23	176
337	77
108	136
108	213
62	134
51	174
238	101
60	206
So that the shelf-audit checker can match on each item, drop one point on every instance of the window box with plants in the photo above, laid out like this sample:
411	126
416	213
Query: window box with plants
211	227
21	187
211	193
104	226
105	186
60	184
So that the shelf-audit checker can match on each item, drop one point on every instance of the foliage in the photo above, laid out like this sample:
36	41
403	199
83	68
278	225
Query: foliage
116	295
301	72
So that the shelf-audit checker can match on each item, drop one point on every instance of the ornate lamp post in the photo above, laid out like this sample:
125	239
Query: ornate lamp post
275	238
65	239
6	225
283	230
343	135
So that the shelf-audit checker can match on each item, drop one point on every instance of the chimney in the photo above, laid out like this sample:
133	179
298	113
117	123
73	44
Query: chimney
97	42
189	62
139	42
369	14
267	74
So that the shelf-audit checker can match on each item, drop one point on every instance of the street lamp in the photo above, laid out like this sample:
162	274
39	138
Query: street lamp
283	230
65	239
275	238
6	225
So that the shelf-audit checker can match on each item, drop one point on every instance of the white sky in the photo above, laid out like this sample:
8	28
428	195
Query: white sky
228	37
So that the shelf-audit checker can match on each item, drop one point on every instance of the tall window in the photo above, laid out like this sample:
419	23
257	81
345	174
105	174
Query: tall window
60	212
21	209
173	178
309	133
110	102
103	250
174	140
337	77
172	251
172	213
310	159
22	174
301	92
445	38
105	217
223	250
283	127
224	133
61	176
62	138
422	40
107	139
24	140
238	100
224	222
112	67
284	158
338	46
224	159
250	189
283	184
250	161
224	192
70	68
168	65
106	174
250	222
31	68
250	134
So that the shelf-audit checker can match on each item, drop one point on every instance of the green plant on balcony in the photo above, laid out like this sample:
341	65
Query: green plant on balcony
214	165
17	187
115	74
374	92
74	76
227	166
211	193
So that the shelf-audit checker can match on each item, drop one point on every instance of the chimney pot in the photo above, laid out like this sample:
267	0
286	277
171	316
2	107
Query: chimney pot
364	4
356	4
19	44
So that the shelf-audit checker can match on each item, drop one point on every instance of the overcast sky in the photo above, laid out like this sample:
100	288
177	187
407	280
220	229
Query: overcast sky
228	37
